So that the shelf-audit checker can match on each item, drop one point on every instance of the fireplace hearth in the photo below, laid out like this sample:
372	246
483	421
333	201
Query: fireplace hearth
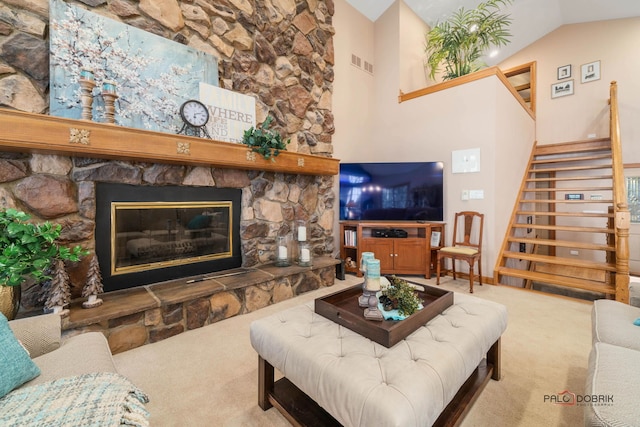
147	234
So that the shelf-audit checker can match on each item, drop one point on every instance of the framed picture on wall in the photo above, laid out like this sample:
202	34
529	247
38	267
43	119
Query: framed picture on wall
562	89
590	72
564	72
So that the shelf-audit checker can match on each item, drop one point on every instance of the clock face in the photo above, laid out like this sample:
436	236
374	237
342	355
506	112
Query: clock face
194	113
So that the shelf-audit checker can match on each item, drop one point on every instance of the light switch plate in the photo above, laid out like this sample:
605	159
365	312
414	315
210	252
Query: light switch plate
476	194
465	195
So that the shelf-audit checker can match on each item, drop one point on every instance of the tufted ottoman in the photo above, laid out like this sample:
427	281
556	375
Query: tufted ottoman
333	376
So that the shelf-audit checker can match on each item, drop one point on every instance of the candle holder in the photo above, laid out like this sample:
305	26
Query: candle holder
363	300
87	83
282	252
109	95
372	284
304	259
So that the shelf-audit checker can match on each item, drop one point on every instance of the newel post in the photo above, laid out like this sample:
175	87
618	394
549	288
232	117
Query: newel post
622	224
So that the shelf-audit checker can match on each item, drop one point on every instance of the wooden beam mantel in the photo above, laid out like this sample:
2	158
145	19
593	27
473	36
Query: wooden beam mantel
38	133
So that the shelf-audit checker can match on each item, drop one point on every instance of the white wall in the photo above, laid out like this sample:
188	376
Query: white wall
353	88
411	50
615	44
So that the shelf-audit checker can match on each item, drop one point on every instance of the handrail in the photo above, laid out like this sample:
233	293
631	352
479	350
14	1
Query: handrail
478	75
620	206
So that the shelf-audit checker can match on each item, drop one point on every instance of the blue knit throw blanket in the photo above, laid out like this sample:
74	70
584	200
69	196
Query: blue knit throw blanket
97	399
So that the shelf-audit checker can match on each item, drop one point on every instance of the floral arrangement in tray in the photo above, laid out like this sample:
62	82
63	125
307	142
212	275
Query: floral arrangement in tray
399	300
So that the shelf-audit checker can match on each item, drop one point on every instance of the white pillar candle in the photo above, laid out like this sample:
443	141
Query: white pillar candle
282	252
302	233
372	284
92	298
305	255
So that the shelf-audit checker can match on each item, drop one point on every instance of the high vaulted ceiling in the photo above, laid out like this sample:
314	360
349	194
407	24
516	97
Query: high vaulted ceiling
532	19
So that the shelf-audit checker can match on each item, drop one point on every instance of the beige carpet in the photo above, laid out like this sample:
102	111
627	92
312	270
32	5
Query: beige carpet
208	376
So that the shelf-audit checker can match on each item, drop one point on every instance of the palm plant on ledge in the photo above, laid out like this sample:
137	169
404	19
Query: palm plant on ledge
460	42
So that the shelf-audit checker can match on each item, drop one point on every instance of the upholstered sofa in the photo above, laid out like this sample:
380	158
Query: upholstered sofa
612	392
72	381
81	354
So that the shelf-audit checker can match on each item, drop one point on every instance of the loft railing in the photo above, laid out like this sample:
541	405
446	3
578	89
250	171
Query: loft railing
620	205
478	75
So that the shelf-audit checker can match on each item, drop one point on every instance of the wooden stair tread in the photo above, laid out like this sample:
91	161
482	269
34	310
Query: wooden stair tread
550	201
565	189
576	214
600	144
588	285
566	228
570	168
569	178
561	261
571	159
563	243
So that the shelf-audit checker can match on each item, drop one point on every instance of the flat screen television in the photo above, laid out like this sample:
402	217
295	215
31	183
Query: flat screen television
391	191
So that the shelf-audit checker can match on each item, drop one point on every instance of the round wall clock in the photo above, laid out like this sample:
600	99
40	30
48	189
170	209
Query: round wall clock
195	116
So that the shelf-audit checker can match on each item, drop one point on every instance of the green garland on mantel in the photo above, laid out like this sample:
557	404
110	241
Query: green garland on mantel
266	142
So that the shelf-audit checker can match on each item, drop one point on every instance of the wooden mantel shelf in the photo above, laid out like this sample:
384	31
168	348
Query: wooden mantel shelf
38	133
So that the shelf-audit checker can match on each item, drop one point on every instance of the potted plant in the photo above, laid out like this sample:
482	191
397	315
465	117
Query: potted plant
401	296
266	142
460	42
27	251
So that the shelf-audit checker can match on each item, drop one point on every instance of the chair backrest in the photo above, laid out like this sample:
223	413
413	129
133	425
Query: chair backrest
467	229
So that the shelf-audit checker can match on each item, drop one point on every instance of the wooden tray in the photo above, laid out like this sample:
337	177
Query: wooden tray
342	307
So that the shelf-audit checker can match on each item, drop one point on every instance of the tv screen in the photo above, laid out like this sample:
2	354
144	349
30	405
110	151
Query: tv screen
391	191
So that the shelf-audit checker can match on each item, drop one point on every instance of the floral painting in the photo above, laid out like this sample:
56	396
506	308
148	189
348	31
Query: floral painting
152	76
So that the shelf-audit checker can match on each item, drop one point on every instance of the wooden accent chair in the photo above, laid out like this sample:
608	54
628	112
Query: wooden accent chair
466	245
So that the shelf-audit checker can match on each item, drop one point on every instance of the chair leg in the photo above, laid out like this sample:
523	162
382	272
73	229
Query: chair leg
480	270
438	270
453	267
471	276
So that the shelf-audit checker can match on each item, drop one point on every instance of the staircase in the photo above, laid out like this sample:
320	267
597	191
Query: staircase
570	225
561	232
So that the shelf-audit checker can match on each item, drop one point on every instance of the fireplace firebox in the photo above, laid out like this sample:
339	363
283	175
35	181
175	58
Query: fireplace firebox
147	234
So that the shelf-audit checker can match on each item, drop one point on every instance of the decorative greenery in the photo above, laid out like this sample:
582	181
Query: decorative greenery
402	296
264	141
465	37
28	249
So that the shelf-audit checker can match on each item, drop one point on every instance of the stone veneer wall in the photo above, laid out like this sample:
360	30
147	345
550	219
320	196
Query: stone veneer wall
279	51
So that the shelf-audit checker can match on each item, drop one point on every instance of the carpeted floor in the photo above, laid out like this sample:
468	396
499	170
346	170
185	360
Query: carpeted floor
208	376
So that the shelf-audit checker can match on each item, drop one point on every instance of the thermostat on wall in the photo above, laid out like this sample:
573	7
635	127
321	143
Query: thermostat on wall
574	196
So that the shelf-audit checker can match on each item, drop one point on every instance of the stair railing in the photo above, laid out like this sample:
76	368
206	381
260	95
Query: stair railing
620	205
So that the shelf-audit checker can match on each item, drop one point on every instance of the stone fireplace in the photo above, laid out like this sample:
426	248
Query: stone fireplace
68	191
281	53
148	234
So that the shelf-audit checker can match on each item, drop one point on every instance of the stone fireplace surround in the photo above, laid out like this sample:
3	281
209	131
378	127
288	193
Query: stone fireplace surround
141	315
61	188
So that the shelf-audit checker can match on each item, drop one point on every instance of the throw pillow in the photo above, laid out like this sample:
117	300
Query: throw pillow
16	367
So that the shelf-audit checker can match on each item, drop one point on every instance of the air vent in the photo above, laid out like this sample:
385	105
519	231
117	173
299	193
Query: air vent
368	67
356	60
